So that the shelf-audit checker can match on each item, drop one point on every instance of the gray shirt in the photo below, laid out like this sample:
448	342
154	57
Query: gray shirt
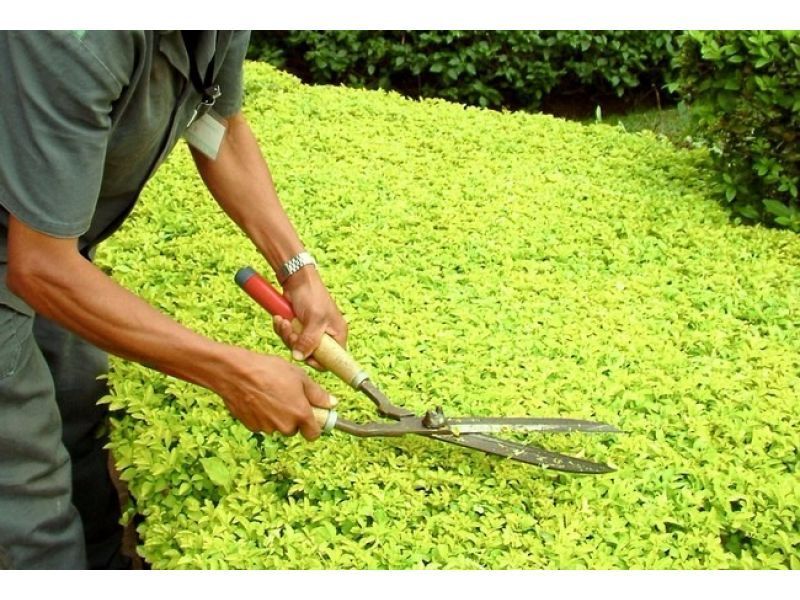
86	117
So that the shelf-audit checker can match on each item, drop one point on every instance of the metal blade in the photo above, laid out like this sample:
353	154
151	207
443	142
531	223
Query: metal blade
526	454
469	425
547	425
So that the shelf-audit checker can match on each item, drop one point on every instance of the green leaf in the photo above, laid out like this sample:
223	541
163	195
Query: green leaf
217	471
777	208
748	211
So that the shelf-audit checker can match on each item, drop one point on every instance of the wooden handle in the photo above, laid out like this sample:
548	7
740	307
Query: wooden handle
335	358
329	353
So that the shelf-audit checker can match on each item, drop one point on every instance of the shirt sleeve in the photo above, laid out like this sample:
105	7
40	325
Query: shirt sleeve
229	76
56	98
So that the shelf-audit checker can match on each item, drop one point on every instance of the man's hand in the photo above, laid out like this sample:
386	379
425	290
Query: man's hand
268	394
317	312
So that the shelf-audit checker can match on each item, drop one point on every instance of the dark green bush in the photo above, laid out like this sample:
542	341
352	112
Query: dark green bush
744	88
511	69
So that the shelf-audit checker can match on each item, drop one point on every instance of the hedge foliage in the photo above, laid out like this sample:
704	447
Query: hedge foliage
496	264
744	86
512	69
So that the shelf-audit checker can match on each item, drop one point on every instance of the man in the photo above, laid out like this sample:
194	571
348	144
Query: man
85	119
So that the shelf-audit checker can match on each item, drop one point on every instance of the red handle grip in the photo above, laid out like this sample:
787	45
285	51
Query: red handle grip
262	292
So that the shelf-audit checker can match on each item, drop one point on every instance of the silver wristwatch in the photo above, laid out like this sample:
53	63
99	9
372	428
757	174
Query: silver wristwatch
293	265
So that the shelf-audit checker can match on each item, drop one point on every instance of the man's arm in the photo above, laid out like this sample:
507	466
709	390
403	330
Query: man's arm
264	392
240	181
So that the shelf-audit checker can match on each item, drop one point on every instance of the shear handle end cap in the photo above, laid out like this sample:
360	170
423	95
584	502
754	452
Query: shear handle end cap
243	275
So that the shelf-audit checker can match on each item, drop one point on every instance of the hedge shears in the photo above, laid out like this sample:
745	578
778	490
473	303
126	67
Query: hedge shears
468	432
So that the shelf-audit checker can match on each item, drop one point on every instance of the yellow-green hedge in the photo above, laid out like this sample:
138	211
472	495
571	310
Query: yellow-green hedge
497	264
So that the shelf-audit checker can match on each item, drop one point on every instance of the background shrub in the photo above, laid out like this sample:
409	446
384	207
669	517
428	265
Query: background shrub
744	89
492	263
512	69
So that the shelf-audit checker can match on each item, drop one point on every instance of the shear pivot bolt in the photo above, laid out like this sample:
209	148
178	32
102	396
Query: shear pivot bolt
434	418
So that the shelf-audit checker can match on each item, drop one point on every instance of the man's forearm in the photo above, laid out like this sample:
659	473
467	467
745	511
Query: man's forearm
79	296
241	183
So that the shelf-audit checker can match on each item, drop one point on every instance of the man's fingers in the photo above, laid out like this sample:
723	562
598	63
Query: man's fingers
310	429
279	326
317	396
284	330
308	340
289	430
340	334
304	344
314	364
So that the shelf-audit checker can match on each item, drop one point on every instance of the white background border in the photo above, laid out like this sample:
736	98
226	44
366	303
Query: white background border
406	14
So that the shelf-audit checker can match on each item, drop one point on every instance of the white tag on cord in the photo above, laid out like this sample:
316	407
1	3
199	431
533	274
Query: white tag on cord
205	134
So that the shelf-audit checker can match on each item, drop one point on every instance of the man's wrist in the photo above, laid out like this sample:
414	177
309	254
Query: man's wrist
297	263
303	277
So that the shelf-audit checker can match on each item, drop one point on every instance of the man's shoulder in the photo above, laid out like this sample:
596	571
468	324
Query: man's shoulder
114	51
109	54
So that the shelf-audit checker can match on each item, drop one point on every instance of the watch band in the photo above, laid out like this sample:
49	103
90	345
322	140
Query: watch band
294	264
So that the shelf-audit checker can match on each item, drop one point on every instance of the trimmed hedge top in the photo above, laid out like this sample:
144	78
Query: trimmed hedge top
496	264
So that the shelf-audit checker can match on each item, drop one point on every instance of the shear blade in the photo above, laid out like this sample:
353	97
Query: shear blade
497	425
527	454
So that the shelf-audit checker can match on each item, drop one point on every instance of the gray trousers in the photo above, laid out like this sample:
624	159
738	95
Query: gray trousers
58	507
